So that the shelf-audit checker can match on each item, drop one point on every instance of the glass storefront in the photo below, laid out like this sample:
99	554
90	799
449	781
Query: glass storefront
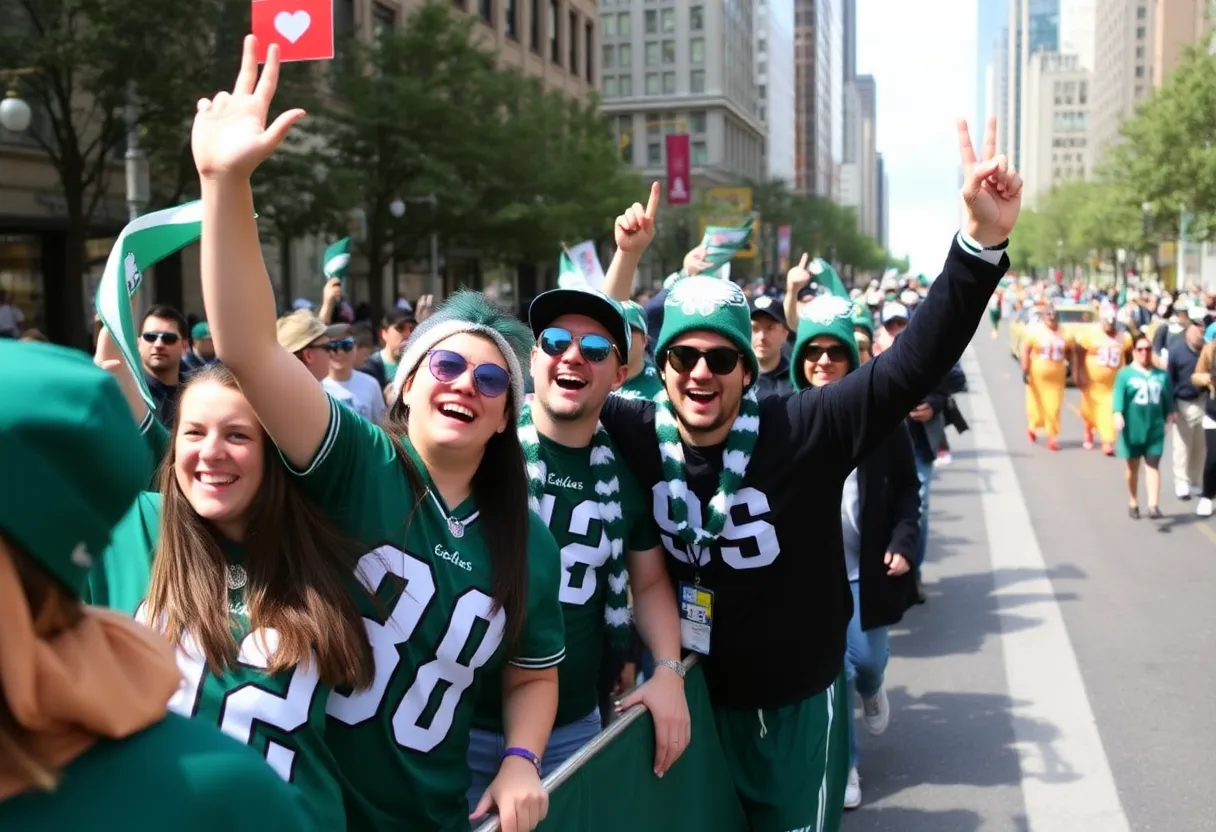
21	277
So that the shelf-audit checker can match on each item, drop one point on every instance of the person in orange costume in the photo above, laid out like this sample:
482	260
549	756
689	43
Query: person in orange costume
1045	355
1100	353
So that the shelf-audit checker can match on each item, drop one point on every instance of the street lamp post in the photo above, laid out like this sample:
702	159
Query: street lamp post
139	186
15	113
397	209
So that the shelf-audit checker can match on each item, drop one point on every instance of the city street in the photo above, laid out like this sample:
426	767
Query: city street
1056	678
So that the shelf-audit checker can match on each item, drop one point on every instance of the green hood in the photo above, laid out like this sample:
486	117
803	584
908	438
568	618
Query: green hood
826	315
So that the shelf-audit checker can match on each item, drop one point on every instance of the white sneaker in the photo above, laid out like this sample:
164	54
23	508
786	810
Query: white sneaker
1204	509
877	712
1182	490
852	790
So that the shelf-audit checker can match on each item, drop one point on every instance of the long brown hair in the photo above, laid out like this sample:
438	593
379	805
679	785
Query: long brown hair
500	491
52	610
301	574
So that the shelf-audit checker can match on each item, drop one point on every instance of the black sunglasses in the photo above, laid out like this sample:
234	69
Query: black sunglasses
166	338
345	345
554	341
720	360
836	353
490	380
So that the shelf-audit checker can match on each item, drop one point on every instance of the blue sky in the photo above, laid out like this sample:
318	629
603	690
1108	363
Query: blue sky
922	57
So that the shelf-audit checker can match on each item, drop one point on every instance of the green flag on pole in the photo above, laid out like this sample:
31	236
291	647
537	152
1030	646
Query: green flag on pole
142	244
336	259
723	242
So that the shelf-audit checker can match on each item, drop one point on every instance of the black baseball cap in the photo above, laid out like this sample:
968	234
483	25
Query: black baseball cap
770	306
581	300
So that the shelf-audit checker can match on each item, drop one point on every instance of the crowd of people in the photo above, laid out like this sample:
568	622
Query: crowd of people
1143	365
414	589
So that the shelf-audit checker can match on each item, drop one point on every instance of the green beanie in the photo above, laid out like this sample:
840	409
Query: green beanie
701	303
635	315
68	438
862	319
825	315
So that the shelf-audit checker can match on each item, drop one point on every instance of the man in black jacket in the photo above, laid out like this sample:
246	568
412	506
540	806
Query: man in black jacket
742	488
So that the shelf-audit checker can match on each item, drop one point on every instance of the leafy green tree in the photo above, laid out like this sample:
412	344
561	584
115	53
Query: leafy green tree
83	54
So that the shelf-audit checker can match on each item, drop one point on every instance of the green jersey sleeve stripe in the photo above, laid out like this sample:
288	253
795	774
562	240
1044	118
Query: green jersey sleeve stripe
149	418
327	444
540	664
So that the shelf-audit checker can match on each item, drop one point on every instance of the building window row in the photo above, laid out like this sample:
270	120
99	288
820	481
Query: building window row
653	83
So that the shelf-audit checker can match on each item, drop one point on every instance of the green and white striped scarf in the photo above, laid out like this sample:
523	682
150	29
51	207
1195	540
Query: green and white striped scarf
608	495
740	443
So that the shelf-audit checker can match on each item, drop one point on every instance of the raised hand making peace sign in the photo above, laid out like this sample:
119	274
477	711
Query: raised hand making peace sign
230	137
992	191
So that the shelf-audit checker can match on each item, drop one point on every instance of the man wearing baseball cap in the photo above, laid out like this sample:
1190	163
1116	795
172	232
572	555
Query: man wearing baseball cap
303	334
770	340
601	520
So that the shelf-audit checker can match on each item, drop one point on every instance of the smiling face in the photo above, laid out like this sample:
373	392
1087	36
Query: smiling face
453	414
569	386
705	403
824	360
218	455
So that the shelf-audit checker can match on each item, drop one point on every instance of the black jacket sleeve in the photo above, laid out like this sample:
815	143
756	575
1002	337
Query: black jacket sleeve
842	422
905	494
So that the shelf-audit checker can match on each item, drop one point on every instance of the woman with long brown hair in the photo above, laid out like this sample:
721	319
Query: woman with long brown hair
247	580
85	738
467	575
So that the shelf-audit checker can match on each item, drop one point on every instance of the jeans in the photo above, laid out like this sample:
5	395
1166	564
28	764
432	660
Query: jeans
865	657
485	752
924	471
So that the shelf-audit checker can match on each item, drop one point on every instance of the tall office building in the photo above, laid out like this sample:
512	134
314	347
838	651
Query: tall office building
774	33
859	178
1034	26
998	92
1077	21
1057	95
1176	25
818	107
882	199
1123	68
990	23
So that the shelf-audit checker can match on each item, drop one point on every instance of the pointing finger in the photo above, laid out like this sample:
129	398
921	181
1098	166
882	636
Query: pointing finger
652	205
965	147
802	263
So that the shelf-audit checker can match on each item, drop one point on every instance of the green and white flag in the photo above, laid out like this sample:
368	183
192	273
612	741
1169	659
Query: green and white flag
723	242
336	259
142	244
580	266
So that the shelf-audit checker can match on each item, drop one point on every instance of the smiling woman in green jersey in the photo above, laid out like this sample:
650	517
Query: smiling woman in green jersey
249	583
467	576
85	739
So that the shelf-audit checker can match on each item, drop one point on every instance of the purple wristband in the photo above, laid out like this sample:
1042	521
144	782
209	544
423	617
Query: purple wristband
525	753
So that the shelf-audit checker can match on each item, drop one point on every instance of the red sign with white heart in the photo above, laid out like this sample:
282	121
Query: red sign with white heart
303	29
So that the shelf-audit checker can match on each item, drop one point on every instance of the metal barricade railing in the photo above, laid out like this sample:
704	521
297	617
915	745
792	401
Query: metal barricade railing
567	769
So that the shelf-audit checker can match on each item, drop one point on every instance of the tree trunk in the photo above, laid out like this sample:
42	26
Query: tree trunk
285	274
74	315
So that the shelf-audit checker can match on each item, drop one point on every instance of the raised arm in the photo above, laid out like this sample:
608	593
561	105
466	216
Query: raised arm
865	406
230	139
634	231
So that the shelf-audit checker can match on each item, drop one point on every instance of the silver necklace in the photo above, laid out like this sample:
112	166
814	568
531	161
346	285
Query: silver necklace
454	526
237	576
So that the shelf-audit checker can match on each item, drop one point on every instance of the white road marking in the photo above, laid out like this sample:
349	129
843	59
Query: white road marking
1066	778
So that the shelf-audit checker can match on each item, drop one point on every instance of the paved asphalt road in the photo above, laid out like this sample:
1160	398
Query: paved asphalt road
1061	675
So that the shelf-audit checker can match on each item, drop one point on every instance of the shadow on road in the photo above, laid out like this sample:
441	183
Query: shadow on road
918	820
962	611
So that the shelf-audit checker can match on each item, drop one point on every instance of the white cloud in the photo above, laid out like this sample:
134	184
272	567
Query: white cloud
922	56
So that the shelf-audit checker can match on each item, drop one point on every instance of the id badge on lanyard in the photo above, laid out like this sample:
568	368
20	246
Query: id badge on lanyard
696	617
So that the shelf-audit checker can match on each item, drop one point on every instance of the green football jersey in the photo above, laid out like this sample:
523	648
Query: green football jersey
281	716
402	745
1145	399
570	508
645	385
177	774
